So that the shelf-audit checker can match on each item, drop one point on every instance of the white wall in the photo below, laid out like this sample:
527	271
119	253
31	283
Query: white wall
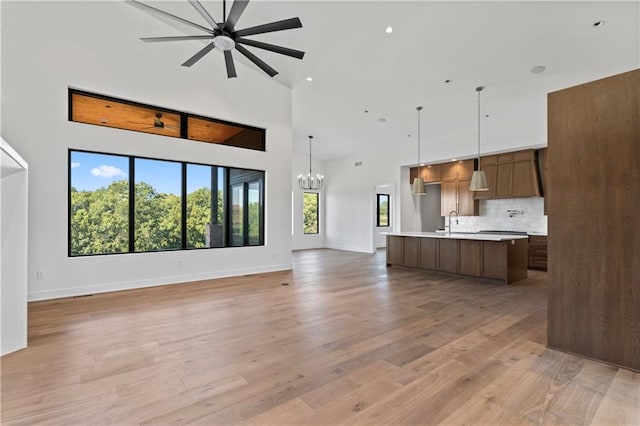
351	201
48	46
13	261
300	241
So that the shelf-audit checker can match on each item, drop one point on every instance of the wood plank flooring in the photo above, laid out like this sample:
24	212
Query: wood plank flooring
347	341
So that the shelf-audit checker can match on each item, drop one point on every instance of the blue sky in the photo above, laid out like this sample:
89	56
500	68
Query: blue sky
92	171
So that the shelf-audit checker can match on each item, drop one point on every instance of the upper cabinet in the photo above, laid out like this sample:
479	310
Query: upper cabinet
510	175
456	178
430	174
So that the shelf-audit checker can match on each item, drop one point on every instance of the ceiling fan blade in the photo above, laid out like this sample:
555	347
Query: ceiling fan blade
176	38
195	58
237	8
203	12
259	62
153	10
272	47
285	24
231	67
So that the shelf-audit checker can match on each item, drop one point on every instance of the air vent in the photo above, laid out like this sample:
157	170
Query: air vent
358	163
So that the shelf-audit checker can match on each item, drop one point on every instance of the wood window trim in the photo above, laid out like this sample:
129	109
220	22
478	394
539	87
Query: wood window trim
107	111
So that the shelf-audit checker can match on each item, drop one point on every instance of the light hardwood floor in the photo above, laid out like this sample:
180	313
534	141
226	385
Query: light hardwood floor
348	341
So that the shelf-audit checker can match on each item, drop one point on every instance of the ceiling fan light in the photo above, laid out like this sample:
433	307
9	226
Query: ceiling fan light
418	186
224	43
478	181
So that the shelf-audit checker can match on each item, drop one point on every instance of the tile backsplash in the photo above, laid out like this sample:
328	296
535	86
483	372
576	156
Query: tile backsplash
511	214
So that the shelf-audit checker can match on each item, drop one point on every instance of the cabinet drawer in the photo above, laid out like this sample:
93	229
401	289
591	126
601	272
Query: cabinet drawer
538	251
537	262
537	240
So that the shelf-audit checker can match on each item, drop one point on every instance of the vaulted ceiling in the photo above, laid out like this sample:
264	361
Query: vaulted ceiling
356	66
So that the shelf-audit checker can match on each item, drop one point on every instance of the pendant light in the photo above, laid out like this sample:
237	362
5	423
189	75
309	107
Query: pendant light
479	179
309	181
418	184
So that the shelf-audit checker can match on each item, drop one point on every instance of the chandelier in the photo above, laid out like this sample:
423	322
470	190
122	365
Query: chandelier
309	181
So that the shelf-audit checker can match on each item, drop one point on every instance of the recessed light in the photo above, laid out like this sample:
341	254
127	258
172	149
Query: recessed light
598	24
408	136
382	120
421	164
389	30
453	159
487	116
447	81
309	79
538	69
366	111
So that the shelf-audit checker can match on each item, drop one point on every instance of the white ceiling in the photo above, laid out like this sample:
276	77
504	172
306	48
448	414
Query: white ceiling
357	66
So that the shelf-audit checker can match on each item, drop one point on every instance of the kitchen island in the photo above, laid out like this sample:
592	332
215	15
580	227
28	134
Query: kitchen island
502	257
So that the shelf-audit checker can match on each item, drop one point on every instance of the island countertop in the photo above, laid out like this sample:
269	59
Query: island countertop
460	236
497	256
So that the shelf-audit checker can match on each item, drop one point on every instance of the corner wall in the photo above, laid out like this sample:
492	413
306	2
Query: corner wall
49	46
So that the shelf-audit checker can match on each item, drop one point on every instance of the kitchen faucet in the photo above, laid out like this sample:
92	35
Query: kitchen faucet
457	223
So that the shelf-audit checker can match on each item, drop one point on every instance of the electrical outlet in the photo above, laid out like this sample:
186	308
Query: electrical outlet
40	275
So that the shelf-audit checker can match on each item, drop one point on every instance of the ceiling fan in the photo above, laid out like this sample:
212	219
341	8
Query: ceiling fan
224	35
157	123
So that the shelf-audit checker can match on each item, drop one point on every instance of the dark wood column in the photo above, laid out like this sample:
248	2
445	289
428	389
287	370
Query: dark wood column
594	219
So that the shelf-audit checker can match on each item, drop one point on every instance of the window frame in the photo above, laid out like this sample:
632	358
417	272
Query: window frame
317	195
378	198
183	225
183	116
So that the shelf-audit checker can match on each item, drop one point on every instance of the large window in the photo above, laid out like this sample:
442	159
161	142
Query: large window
121	204
247	219
99	203
158	205
101	110
383	211
310	213
205	206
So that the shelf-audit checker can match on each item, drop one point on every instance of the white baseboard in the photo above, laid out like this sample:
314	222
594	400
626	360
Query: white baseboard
34	296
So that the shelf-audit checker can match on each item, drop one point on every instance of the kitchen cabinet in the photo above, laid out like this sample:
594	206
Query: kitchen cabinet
538	252
503	258
470	258
403	251
448	197
455	194
395	250
430	173
467	205
510	175
411	252
428	253
494	259
448	255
